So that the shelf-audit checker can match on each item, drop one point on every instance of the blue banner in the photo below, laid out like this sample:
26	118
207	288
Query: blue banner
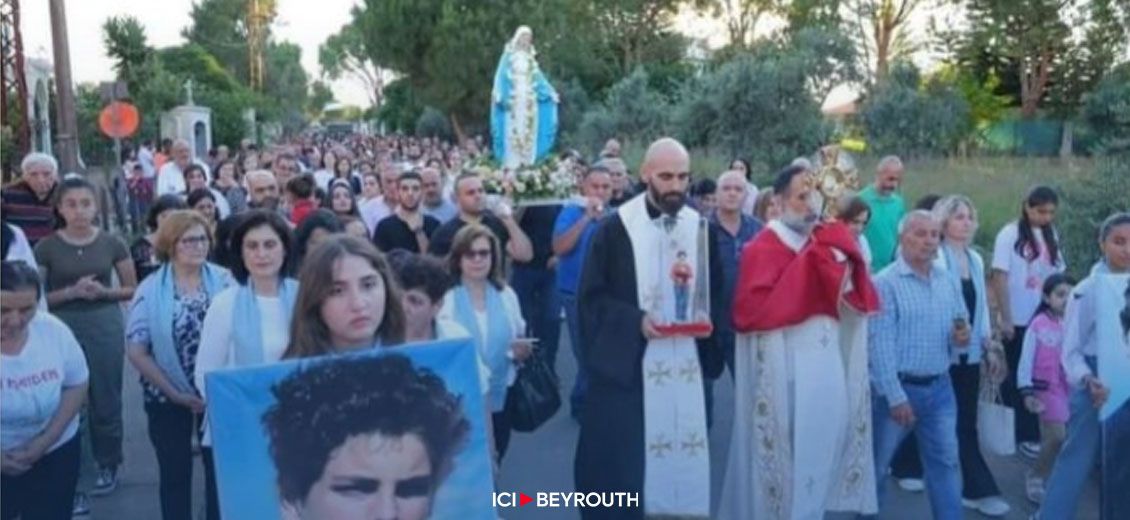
395	432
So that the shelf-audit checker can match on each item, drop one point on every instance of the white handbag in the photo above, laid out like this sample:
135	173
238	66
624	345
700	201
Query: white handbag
995	422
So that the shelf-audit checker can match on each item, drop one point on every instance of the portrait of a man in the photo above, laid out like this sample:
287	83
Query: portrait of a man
363	438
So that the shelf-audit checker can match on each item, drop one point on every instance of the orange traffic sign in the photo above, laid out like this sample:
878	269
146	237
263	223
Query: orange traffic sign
119	119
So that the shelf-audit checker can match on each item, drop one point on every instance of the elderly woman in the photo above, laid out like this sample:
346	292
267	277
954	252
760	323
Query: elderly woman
77	264
39	440
29	202
163	335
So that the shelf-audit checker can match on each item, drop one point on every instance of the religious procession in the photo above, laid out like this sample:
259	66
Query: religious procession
565	260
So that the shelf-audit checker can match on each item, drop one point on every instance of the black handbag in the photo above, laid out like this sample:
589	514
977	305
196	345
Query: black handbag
534	397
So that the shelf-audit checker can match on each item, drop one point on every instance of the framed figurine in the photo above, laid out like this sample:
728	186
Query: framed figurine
681	299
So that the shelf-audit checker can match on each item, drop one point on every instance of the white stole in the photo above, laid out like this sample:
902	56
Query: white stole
801	443
676	449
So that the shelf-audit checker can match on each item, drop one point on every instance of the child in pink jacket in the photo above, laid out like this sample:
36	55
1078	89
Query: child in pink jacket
1042	381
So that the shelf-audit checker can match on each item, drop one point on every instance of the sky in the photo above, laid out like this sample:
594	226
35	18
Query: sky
305	22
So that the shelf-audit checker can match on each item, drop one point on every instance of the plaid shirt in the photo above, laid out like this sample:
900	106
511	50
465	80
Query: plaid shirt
912	333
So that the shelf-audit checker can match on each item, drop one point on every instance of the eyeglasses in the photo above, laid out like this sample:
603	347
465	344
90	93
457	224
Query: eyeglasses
481	254
193	241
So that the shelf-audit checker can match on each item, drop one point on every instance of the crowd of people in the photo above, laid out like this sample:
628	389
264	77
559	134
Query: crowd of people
321	246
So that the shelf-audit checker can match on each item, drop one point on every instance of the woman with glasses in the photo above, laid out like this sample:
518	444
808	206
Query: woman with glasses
484	305
163	335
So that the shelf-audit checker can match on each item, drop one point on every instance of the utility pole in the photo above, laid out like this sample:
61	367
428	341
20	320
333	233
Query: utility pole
66	135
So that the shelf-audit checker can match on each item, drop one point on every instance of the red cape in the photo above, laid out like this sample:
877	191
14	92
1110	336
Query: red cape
778	287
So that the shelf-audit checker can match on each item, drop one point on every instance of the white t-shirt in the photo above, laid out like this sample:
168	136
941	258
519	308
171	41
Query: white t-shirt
33	382
322	178
170	179
1025	279
217	341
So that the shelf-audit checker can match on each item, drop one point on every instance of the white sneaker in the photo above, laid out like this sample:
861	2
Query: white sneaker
913	485
1029	449
988	506
1034	488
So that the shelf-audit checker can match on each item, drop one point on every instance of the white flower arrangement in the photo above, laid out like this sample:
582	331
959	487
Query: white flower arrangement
548	182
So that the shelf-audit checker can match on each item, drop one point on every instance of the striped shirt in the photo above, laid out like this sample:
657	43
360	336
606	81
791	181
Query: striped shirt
23	209
912	333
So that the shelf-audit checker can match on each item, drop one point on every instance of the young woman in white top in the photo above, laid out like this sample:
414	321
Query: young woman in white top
484	305
1078	455
44	386
1026	252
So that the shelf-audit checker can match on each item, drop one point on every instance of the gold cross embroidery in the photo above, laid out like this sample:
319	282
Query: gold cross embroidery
694	443
658	372
660	447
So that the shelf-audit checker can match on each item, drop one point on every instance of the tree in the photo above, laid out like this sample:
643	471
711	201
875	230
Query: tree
906	116
801	14
1029	34
344	54
221	28
128	47
741	17
881	32
320	96
633	111
285	84
756	106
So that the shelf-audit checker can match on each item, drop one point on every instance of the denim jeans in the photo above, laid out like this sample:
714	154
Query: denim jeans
580	383
935	414
537	295
976	479
1076	459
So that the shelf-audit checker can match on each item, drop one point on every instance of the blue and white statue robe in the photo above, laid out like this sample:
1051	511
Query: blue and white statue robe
523	118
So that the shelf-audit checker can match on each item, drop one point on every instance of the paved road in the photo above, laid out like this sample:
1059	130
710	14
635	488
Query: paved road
541	461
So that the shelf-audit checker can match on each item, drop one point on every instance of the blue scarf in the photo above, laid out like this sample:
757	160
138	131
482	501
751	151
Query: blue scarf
246	320
498	337
160	298
980	318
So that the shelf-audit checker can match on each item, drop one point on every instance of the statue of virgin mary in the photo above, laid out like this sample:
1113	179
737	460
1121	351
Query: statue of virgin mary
523	119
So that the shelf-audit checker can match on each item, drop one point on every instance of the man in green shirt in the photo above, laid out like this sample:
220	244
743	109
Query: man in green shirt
887	209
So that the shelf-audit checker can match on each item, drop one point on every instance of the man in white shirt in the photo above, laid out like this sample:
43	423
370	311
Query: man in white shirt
171	177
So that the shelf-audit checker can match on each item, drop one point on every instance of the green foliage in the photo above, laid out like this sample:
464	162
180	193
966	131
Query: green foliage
432	123
284	84
574	103
1089	201
756	107
633	110
448	50
907	117
1106	111
126	43
220	27
344	55
194	61
320	96
94	147
401	108
985	106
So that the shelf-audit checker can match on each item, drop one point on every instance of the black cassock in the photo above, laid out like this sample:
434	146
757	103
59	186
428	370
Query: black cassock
610	451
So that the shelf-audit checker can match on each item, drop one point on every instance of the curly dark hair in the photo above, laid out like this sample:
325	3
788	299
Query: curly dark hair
321	405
